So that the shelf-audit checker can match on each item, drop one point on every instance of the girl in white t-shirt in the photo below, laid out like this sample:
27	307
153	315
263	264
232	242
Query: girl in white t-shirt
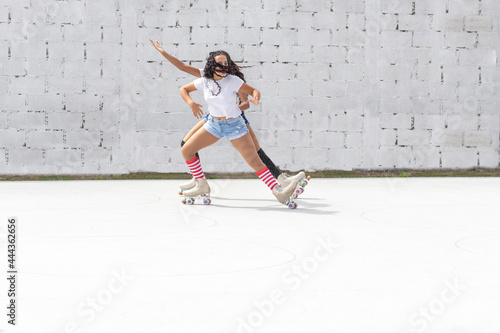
220	86
282	178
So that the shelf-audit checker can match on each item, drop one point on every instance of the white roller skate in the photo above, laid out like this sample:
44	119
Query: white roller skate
301	179
187	185
200	191
285	195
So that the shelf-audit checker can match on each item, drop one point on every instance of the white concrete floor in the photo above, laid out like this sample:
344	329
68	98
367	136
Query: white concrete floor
386	255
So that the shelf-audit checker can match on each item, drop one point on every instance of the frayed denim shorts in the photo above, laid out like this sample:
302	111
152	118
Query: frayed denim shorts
232	129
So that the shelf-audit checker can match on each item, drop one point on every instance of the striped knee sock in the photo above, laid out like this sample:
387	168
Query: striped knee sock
195	167
266	176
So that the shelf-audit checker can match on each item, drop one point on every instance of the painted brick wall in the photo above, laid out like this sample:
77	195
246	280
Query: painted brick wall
376	84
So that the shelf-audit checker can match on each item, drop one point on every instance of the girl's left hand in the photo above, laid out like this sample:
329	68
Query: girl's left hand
255	100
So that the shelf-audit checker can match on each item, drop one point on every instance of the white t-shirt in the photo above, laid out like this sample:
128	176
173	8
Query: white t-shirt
225	104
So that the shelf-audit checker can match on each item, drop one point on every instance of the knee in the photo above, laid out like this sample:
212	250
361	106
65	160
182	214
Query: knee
185	151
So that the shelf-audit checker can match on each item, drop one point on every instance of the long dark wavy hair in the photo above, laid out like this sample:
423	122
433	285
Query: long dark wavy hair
211	66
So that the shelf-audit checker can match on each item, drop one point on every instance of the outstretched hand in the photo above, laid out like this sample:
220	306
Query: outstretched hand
157	46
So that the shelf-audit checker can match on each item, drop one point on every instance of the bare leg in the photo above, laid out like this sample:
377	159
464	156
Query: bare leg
198	141
254	138
246	148
194	129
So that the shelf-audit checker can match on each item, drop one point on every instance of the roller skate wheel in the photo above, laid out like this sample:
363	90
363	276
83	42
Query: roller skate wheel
190	201
299	191
207	201
292	205
303	183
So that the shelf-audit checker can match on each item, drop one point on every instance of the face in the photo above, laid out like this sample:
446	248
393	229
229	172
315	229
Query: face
221	60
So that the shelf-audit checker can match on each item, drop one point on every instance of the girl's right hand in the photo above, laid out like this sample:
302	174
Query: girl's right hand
196	108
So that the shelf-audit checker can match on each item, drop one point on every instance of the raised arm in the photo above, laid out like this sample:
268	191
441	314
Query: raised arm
176	62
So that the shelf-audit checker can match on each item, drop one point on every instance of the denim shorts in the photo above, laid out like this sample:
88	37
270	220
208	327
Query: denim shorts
232	129
242	114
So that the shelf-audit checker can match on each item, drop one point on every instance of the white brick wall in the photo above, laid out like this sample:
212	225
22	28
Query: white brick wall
345	84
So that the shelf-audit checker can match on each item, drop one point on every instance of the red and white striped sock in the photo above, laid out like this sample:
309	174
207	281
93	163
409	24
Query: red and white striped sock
195	167
267	177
